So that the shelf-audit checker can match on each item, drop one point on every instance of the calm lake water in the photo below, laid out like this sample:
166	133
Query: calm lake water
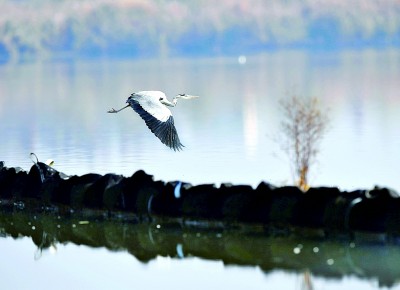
58	110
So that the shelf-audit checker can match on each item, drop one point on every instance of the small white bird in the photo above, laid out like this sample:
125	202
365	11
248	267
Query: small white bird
151	106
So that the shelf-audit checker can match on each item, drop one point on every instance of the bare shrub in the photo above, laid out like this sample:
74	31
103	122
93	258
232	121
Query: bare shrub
302	129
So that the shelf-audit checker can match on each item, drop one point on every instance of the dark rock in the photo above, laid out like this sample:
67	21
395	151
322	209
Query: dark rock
62	195
310	209
134	193
337	210
262	206
169	202
113	197
130	188
20	185
283	201
371	213
51	187
145	196
79	185
40	183
393	217
7	179
381	192
34	182
240	204
94	194
265	188
202	201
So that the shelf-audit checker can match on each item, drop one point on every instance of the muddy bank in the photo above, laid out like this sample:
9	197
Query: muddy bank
376	210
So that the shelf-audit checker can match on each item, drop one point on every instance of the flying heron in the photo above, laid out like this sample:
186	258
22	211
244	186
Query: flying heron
151	107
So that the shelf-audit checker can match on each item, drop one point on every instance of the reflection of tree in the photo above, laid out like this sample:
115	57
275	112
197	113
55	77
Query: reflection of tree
303	127
306	282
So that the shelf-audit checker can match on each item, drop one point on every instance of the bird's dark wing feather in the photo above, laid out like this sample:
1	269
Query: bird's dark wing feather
165	131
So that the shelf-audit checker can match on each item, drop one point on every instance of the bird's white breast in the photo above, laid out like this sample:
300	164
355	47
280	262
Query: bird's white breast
150	102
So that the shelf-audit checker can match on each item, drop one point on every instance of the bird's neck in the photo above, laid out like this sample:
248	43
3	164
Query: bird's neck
175	101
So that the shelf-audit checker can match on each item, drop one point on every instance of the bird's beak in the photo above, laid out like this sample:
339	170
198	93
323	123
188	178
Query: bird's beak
188	97
167	103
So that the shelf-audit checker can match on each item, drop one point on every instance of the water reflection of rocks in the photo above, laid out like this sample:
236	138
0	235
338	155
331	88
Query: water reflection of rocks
366	256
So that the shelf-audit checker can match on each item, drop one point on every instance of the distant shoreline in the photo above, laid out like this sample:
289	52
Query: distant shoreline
36	30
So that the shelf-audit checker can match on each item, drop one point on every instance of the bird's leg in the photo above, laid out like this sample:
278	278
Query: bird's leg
116	111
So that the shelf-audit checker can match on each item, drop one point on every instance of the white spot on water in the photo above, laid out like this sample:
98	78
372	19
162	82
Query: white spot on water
242	59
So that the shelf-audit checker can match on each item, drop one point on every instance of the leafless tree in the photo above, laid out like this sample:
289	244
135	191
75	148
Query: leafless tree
302	129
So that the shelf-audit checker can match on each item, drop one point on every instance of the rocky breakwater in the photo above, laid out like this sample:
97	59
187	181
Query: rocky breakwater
326	208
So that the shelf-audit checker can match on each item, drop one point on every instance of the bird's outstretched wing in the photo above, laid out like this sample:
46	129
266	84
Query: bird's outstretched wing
164	130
